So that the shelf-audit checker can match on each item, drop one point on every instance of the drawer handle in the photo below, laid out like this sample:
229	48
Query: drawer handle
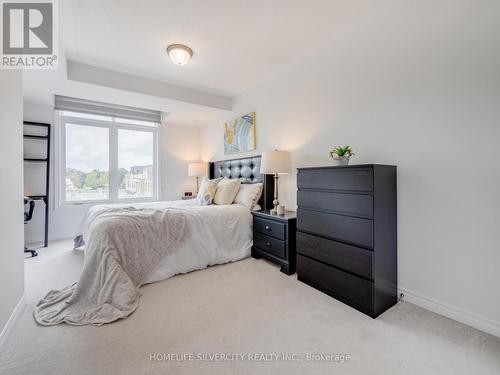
268	227
268	243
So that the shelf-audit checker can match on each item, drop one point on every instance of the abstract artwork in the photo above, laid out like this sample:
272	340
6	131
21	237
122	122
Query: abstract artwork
239	134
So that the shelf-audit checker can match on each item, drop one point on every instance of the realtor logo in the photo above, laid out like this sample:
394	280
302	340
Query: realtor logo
29	35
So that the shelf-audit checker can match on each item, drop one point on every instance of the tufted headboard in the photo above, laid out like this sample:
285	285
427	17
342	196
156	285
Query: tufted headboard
249	170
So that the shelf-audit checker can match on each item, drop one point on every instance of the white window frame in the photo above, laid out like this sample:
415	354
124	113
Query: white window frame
113	125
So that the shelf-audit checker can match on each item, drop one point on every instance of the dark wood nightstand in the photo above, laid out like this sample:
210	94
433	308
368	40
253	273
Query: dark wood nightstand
274	238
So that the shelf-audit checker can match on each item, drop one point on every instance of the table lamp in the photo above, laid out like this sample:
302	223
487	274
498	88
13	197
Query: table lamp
275	163
196	170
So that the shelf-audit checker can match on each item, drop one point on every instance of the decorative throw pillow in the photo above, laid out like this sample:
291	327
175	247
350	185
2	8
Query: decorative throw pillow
207	190
249	195
227	190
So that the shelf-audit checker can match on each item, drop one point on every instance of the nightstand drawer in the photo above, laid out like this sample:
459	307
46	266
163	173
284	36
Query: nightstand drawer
269	227
270	245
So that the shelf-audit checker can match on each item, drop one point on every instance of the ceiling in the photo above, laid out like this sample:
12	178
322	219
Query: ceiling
236	43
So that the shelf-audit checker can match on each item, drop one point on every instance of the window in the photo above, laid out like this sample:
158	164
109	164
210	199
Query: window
87	163
107	158
135	163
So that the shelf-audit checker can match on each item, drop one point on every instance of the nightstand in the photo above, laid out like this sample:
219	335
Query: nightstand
274	238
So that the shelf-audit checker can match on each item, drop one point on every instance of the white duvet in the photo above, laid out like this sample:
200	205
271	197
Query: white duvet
215	235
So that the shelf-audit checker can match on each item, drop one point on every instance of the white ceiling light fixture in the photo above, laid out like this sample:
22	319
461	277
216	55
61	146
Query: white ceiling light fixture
179	53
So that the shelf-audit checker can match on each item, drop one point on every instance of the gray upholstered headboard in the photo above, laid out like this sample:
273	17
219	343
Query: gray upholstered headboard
249	170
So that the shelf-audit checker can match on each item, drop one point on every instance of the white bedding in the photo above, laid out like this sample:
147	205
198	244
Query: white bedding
215	235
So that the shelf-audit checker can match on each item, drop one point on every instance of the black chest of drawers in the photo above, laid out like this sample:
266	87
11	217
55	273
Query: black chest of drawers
274	238
347	234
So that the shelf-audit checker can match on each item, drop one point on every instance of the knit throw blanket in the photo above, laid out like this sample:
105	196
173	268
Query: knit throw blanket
125	245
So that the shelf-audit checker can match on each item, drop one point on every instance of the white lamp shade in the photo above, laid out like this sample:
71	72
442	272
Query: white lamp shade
196	169
275	162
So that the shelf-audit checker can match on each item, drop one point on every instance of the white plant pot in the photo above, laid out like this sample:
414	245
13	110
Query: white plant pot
340	160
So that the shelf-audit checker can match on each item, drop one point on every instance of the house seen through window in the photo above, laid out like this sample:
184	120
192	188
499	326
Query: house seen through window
108	158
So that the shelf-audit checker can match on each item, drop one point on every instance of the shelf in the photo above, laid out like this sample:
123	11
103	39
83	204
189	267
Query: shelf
35	160
46	161
44	137
37	197
31	123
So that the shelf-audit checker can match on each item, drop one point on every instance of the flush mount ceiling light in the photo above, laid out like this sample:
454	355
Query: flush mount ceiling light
179	53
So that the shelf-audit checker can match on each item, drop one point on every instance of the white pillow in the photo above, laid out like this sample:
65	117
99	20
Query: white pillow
227	190
207	190
249	195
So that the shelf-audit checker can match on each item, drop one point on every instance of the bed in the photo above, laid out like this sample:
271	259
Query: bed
116	264
208	242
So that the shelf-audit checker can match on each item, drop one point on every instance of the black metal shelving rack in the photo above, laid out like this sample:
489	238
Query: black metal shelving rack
45	197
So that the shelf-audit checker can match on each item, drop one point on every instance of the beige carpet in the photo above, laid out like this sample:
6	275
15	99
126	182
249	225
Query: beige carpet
244	307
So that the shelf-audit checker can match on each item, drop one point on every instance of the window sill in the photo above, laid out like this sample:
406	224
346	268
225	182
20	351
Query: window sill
105	202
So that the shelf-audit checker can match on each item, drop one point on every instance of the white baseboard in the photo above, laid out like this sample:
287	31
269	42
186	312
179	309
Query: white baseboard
476	321
39	243
13	317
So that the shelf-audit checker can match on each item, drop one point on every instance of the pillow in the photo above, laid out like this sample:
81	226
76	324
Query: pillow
207	190
227	190
249	195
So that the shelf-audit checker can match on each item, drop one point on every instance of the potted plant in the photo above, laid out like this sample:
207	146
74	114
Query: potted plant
341	155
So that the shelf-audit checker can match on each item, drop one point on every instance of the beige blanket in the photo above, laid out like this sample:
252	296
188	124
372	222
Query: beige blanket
125	246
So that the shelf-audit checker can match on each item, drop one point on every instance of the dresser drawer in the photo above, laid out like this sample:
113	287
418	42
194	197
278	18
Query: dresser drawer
336	283
350	258
343	228
270	245
269	227
351	179
354	204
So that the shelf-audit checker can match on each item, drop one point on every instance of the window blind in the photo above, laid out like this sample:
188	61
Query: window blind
65	103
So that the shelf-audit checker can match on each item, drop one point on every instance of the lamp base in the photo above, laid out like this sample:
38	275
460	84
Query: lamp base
274	210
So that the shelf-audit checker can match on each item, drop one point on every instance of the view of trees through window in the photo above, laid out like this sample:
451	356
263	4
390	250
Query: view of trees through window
87	163
92	183
88	159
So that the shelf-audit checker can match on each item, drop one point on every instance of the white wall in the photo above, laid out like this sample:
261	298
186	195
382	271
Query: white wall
417	86
178	146
11	193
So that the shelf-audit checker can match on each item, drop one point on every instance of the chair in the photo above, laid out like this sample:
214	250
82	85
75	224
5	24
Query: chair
27	217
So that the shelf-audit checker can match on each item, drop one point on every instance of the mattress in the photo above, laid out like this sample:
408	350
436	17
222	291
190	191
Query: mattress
214	235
